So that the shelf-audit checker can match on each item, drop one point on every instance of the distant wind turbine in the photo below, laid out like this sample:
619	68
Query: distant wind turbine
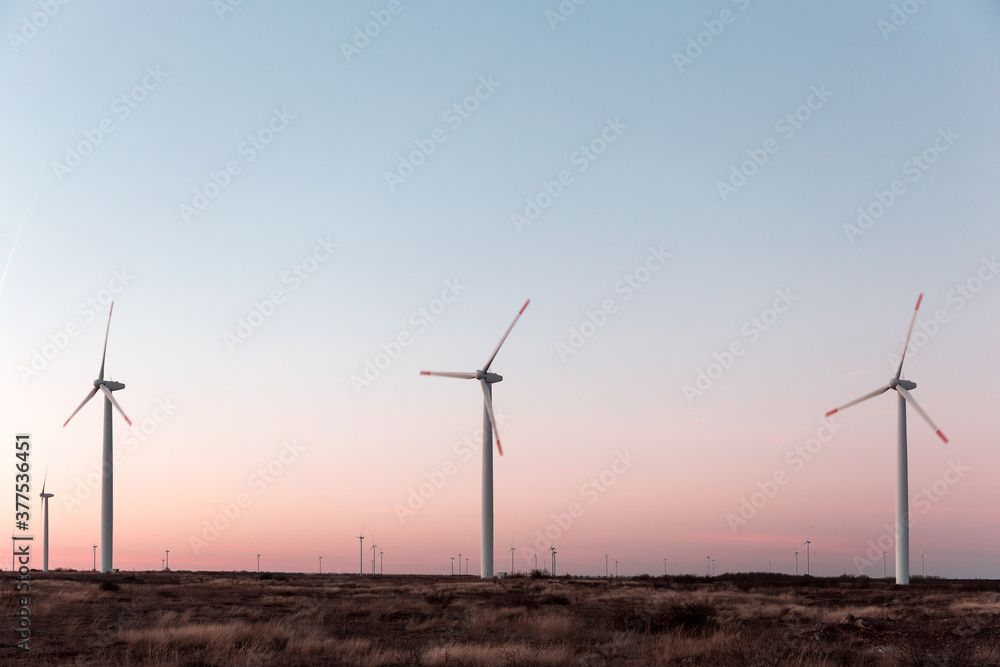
512	555
107	464
807	543
489	432
362	545
45	509
903	388
553	549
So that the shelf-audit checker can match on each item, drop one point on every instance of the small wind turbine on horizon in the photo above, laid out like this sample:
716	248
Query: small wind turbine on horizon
362	545
486	378
512	555
807	543
796	561
107	462
903	388
45	509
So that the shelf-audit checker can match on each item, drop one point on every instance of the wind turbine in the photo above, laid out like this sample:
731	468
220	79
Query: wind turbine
489	432
362	545
45	508
903	388
554	552
796	562
512	555
107	464
807	543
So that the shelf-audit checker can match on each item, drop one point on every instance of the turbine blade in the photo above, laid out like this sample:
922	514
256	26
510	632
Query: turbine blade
107	392
859	400
45	479
488	401
89	396
906	343
461	376
913	403
100	375
505	334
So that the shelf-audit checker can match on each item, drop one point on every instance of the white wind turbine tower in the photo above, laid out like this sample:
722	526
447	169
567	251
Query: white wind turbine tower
489	432
45	509
903	388
107	464
807	543
362	547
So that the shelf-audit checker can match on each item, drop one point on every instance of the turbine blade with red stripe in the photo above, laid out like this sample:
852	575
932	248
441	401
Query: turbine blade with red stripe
906	343
100	376
505	334
461	376
488	402
89	396
107	392
859	400
920	411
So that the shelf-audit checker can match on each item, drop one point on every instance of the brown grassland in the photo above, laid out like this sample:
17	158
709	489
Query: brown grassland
204	618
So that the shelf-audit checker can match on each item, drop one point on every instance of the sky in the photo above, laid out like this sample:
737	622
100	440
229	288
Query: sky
722	213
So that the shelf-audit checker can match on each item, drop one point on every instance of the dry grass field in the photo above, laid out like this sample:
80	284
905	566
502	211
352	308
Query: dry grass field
198	618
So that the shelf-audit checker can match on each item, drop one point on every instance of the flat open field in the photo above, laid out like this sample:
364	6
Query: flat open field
202	618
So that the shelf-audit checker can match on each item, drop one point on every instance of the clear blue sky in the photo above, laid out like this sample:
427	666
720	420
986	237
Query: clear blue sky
643	124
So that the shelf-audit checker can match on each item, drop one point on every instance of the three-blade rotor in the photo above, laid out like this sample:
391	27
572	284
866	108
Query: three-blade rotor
486	378
99	384
898	384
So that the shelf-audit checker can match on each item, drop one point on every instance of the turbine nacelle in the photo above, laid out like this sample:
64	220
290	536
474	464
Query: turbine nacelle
905	384
490	378
110	384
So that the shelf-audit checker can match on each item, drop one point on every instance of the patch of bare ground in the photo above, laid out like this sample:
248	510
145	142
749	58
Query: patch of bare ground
222	619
